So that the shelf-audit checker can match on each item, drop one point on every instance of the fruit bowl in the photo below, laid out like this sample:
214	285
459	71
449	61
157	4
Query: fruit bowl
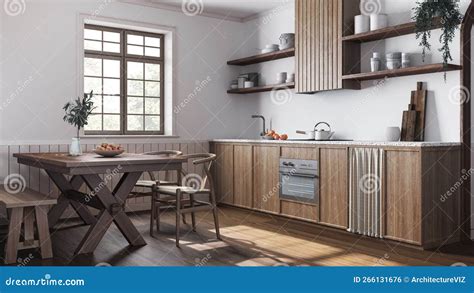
108	153
109	150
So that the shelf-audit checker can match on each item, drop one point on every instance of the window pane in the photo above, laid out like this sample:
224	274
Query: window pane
152	71
97	100
153	42
152	89
152	123
135	70
92	84
111	104
94	122
112	122
93	45
135	50
135	123
112	37
111	86
134	39
135	88
112	47
134	105
92	34
93	66
111	68
154	52
152	106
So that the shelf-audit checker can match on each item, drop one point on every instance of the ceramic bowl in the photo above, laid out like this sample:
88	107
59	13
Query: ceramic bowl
108	154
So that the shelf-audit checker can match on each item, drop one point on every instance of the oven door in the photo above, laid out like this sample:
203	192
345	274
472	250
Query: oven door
299	187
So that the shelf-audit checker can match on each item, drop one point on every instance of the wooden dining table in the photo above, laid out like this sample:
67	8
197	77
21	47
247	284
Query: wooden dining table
70	173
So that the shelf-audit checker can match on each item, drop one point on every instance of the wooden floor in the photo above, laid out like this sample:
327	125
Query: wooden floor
249	239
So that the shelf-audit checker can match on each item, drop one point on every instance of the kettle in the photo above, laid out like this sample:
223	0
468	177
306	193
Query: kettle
321	134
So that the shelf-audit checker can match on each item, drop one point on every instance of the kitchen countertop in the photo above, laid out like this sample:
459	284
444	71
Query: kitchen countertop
423	144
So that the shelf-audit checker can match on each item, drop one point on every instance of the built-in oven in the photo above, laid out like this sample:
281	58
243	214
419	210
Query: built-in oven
299	180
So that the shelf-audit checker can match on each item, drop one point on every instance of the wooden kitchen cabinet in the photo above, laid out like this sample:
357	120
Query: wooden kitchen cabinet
243	176
421	185
334	187
321	56
403	196
266	178
223	172
422	198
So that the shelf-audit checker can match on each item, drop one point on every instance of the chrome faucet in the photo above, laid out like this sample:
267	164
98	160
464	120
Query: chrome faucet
264	131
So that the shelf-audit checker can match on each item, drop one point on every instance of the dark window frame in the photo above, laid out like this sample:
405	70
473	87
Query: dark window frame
123	56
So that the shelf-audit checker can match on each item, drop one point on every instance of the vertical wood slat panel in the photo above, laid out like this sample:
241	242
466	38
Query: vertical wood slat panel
34	172
37	179
299	46
311	44
24	170
304	46
3	162
340	27
321	44
330	54
319	30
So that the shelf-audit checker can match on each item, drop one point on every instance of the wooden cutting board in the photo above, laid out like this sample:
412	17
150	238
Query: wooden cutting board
418	98
409	125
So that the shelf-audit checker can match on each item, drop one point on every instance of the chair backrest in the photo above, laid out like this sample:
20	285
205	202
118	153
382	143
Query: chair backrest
206	160
168	153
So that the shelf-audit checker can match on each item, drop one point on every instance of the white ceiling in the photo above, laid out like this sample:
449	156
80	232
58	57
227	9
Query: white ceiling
237	10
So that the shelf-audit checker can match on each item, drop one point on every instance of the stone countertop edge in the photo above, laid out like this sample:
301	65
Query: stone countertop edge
343	143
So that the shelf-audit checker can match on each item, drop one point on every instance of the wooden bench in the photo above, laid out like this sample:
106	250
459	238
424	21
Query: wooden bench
29	209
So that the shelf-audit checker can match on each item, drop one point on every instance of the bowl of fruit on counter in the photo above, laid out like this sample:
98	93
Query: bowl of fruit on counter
109	150
272	135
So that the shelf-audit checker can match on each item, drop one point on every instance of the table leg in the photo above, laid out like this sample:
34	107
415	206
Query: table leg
95	233
64	185
113	212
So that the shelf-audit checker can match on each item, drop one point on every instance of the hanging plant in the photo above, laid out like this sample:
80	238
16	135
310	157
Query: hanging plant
426	13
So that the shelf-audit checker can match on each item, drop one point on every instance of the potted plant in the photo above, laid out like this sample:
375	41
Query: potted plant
426	13
77	113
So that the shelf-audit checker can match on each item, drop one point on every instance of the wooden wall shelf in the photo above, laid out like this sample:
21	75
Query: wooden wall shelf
263	57
385	33
266	88
424	69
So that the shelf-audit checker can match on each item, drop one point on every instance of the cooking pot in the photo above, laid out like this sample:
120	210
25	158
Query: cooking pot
318	134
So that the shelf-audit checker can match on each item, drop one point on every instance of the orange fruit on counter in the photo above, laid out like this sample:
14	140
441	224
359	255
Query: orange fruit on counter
276	136
284	136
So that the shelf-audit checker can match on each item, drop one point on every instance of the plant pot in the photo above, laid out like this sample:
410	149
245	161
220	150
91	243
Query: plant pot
75	148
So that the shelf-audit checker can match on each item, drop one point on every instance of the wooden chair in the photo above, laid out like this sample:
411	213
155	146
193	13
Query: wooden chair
153	180
27	208
175	196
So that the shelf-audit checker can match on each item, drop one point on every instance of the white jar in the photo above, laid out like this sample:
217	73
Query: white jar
361	24
392	133
375	64
281	77
378	21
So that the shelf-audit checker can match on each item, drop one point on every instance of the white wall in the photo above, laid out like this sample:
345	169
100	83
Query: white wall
364	114
39	73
